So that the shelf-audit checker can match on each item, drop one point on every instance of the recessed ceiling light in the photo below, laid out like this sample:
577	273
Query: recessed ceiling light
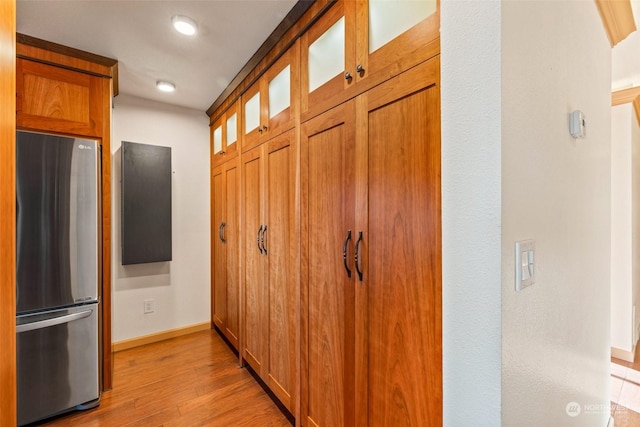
184	25
165	86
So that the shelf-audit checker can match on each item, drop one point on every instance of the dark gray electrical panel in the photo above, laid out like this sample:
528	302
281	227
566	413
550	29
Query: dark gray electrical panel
146	203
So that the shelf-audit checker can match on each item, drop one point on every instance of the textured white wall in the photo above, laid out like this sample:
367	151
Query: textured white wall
471	176
556	190
180	288
621	238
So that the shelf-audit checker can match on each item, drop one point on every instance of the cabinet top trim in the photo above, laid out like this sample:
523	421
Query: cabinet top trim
294	15
28	47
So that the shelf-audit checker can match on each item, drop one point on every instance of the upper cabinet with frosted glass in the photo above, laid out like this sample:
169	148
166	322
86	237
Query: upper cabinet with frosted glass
270	105
225	132
358	44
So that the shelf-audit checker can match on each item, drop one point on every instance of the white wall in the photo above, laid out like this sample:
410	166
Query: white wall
471	181
556	190
180	288
621	238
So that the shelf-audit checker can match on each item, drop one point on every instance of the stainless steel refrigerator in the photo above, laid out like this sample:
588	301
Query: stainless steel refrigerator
58	274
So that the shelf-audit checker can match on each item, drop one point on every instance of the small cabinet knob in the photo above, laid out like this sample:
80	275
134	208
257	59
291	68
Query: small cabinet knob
264	128
348	76
360	69
259	130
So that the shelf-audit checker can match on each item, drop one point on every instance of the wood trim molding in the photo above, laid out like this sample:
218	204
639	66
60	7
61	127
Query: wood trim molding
617	18
623	354
636	107
8	405
67	57
624	96
160	336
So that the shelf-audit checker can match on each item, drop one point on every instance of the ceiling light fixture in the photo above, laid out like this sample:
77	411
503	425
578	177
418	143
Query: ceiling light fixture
184	25
165	86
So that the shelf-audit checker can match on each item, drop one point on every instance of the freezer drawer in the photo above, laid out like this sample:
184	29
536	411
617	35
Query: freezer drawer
57	361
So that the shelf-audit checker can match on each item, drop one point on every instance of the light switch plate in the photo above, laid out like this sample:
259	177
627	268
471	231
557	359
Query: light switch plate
525	264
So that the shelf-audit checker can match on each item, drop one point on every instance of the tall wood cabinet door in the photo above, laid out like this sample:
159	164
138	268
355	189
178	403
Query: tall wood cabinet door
254	295
399	211
219	270
327	54
395	36
230	235
280	242
328	273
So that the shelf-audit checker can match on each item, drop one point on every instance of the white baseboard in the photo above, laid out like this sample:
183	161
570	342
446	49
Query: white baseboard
627	356
160	336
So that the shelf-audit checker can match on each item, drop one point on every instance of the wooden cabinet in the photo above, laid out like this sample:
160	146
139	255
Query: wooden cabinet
225	245
270	106
55	99
357	45
224	135
269	279
371	257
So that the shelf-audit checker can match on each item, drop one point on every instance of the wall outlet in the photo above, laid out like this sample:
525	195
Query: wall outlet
149	306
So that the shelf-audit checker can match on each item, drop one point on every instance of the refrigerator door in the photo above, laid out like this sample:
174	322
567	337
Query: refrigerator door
57	197
57	361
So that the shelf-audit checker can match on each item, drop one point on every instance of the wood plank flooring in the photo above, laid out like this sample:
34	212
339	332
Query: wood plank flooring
625	389
192	380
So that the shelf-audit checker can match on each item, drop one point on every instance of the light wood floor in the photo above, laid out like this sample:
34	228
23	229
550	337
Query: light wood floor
192	380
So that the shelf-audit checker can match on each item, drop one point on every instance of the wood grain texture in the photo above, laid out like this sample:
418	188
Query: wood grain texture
67	57
185	381
58	100
160	336
402	252
219	291
8	212
252	267
617	18
231	235
636	107
107	350
279	242
328	180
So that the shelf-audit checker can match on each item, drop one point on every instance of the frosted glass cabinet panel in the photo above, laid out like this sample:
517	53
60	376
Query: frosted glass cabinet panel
232	129
280	92
388	19
217	140
326	56
252	113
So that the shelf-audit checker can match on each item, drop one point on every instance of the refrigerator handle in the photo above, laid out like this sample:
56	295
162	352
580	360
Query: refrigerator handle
53	321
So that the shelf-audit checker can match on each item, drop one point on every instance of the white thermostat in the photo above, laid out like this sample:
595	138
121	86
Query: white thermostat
577	124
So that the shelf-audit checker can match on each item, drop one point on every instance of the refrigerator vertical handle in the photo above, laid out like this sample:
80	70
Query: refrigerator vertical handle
53	321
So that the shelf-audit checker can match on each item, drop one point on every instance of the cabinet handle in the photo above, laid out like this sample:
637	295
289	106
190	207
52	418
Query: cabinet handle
344	254
348	76
264	248
259	130
360	69
258	239
222	226
356	255
264	128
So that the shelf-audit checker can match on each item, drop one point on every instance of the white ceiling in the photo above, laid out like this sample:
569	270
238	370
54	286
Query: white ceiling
138	33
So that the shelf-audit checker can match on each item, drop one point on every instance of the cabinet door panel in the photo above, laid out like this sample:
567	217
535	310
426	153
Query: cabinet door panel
219	293
253	325
329	180
57	99
403	247
327	52
394	36
281	279
231	236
